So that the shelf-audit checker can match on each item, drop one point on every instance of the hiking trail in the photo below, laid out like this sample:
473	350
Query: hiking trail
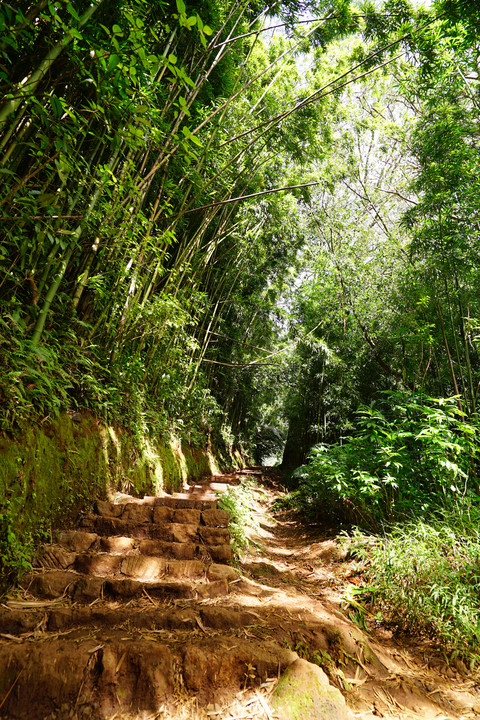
139	613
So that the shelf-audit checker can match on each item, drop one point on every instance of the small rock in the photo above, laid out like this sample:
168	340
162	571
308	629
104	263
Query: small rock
221	553
182	533
214	536
77	540
108	509
304	692
89	588
221	572
162	514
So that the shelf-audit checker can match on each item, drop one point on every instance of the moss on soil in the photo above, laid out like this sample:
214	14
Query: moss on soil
52	471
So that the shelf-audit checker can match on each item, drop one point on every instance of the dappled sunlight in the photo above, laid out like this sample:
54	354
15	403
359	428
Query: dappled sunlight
295	582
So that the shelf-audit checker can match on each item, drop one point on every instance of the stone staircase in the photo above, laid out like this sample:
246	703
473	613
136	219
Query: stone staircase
122	617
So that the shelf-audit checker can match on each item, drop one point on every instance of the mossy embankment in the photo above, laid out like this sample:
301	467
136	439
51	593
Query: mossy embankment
52	471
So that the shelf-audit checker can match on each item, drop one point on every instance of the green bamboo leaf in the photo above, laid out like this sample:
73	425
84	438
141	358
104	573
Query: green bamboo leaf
207	30
56	106
172	58
117	30
72	11
74	33
181	6
188	134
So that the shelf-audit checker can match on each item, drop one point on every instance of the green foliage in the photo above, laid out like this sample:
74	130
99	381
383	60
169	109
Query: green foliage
409	457
16	549
114	292
424	577
239	501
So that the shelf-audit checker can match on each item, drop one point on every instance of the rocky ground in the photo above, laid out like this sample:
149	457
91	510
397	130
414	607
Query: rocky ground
139	613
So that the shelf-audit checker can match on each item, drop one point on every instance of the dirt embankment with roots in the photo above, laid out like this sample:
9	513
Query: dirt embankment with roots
140	613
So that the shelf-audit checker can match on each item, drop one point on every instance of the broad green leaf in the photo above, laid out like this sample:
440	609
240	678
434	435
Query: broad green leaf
181	6
113	61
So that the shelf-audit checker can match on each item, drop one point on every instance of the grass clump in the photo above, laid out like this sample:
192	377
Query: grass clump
425	578
239	502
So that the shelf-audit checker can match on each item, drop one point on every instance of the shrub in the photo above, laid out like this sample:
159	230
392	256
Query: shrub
406	459
238	500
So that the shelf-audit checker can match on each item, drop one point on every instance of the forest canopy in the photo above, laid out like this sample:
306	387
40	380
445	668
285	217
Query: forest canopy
238	218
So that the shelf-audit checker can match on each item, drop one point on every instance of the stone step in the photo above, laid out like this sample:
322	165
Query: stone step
167	532
53	584
60	618
72	542
103	675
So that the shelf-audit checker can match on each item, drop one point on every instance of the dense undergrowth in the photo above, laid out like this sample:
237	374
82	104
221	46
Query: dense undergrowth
409	457
63	374
406	482
423	578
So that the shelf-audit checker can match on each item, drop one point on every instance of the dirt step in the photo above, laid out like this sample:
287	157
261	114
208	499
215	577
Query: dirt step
107	674
54	618
179	500
72	542
144	513
53	584
168	532
148	567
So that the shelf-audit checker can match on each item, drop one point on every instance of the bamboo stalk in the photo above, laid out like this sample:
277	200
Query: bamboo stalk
29	85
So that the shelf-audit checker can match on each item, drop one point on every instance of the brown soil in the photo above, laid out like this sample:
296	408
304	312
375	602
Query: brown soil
139	614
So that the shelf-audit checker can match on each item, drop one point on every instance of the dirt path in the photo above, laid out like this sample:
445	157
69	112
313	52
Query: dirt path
139	615
298	578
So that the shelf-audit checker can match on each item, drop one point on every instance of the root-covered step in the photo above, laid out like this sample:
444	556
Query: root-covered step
53	618
102	677
125	552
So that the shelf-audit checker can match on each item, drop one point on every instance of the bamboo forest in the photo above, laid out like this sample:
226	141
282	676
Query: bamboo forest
239	359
